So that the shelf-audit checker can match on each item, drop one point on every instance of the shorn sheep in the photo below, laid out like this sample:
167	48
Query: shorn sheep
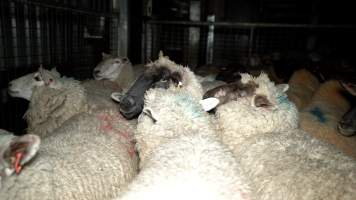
181	155
15	152
89	157
54	99
302	86
160	73
321	117
118	70
282	161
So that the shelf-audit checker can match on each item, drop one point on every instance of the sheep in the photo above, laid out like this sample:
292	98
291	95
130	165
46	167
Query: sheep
181	156
302	86
117	69
347	125
283	161
91	156
15	152
53	100
320	118
158	74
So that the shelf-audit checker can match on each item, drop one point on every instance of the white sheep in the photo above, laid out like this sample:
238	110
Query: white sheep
302	86
117	69
283	161
53	100
15	152
89	157
181	156
321	117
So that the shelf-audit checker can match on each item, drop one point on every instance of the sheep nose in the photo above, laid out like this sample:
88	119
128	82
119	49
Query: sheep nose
343	124
127	103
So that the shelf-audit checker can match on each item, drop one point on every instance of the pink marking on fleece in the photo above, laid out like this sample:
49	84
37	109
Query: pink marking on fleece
107	126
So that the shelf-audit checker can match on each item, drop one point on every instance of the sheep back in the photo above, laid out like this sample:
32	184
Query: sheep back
302	85
90	157
321	116
49	107
293	165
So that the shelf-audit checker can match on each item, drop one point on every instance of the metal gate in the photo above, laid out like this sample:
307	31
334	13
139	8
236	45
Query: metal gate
229	43
67	34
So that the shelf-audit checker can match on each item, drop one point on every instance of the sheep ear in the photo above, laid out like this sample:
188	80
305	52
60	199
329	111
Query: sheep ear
150	113
105	55
21	150
351	88
282	87
47	77
116	96
209	103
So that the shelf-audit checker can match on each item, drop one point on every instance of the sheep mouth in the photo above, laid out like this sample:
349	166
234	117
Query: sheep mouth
13	92
346	131
131	111
98	77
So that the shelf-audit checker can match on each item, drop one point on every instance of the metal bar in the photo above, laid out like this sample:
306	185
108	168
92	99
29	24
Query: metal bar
68	9
123	28
249	25
210	41
191	55
250	42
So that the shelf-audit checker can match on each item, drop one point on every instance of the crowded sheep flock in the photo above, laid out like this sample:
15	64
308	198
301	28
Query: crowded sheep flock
163	131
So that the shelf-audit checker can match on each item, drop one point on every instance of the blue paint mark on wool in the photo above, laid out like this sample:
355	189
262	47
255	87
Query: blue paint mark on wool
191	106
283	100
318	113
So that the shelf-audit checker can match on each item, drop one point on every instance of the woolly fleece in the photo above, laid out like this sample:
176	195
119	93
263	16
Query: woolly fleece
181	155
89	157
282	161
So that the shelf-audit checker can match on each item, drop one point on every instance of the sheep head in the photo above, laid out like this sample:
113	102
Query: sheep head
110	67
347	125
255	104
23	87
15	151
163	73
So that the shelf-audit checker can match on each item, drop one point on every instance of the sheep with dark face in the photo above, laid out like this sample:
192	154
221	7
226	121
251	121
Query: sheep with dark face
347	125
160	73
288	162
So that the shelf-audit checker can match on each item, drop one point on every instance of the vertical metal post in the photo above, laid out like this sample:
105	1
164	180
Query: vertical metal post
210	41
250	42
14	33
194	35
122	6
2	38
146	32
312	38
39	35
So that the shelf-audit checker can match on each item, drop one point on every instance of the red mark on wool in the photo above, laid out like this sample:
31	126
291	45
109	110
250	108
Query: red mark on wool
107	127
